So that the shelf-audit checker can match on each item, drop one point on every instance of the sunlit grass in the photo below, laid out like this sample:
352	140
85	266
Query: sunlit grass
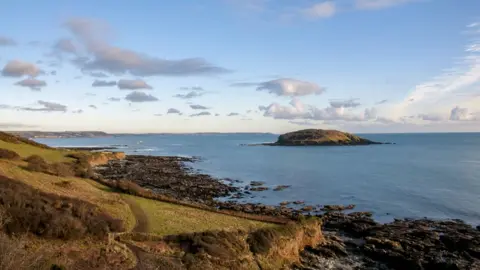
25	150
168	219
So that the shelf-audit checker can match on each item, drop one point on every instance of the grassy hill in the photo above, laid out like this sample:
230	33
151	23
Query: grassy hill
51	216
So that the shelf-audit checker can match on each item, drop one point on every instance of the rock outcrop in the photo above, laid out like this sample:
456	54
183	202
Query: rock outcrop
319	137
102	158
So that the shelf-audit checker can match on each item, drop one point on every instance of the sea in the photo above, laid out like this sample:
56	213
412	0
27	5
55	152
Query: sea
434	175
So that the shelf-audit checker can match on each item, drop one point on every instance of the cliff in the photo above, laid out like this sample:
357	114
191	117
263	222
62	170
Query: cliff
319	137
268	248
102	158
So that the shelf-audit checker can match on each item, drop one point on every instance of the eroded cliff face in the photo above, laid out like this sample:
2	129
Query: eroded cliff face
272	248
286	247
102	158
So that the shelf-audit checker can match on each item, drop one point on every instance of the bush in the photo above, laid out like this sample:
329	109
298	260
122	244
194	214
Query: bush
8	154
14	256
51	216
220	244
130	187
36	163
81	167
61	169
262	240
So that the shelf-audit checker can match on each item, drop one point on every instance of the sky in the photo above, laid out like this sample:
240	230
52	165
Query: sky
364	66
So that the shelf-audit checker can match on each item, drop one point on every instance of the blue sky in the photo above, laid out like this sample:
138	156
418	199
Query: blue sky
240	65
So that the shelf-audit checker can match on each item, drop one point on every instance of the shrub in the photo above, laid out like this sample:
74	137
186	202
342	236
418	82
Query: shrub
130	187
260	241
13	255
220	244
61	169
81	167
50	215
8	154
36	163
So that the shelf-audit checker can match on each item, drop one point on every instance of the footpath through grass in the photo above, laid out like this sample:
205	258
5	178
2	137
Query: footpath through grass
162	218
168	219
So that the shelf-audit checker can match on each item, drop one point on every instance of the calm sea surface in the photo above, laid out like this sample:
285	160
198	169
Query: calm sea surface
423	175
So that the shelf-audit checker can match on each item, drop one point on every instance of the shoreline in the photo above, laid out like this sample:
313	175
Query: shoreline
353	238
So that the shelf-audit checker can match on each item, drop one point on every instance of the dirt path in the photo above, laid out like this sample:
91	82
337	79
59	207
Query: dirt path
141	226
141	218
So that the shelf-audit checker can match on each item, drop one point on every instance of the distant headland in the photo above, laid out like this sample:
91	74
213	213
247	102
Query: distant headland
60	134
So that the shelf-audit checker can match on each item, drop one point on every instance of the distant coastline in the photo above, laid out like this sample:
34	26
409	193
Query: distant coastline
60	134
97	134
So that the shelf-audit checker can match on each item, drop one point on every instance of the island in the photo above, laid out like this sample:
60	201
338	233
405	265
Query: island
319	137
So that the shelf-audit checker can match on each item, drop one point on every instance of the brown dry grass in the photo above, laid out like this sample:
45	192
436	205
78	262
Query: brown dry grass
83	189
51	216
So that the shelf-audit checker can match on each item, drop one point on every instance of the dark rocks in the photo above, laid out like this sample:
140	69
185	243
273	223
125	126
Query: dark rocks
401	244
281	187
167	176
257	183
308	208
258	188
299	202
259	209
330	208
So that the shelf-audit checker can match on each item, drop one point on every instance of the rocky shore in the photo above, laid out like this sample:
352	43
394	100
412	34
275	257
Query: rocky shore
354	240
168	176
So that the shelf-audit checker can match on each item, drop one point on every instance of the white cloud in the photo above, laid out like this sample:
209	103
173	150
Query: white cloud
298	110
103	56
133	85
370	113
173	111
290	87
200	114
347	103
46	106
454	85
460	114
198	107
65	45
17	68
103	83
431	117
189	95
321	10
137	96
302	123
32	83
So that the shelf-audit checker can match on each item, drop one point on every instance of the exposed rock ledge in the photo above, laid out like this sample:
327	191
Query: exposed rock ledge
102	158
319	137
